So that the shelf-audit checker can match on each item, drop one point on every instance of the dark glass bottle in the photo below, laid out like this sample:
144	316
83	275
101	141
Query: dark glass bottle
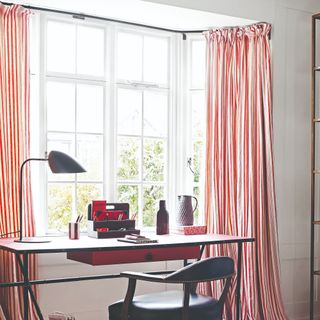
162	218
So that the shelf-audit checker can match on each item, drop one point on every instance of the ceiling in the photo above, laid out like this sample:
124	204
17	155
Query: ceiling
143	12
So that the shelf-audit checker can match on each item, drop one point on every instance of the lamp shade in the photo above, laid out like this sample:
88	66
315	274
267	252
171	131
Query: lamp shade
60	162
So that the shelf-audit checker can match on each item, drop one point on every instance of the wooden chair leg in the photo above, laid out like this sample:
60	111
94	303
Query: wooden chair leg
128	299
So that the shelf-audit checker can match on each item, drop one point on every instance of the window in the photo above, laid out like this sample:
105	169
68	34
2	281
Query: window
111	99
142	122
75	101
198	116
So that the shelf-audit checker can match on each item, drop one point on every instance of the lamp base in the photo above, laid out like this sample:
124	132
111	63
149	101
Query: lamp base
32	240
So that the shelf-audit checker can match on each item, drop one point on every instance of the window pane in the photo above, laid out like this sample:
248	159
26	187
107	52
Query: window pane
151	197
85	194
130	194
198	64
60	204
128	158
198	115
63	142
155	60
155	114
196	193
61	47
129	56
90	154
61	106
198	152
89	108
153	159
198	132
129	111
90	51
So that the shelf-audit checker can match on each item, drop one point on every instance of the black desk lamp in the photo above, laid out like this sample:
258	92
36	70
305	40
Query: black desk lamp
59	162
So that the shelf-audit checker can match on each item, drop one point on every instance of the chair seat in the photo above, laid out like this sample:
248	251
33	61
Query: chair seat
167	306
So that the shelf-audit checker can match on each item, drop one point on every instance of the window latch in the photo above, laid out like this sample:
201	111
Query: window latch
189	163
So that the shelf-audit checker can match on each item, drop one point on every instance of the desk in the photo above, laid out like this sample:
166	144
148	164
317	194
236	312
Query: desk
86	244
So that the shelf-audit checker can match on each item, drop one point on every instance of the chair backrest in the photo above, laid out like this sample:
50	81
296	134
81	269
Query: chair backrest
204	270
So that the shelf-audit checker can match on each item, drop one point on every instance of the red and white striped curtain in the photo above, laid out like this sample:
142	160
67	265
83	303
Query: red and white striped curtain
14	146
240	191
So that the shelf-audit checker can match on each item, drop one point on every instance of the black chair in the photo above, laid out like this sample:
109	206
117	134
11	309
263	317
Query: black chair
176	305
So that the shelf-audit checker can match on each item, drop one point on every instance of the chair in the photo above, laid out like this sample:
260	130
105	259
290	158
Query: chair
176	305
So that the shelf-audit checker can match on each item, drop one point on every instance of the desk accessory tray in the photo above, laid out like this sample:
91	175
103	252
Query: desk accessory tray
116	228
189	230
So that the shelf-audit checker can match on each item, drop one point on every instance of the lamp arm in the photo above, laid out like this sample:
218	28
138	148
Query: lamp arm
20	190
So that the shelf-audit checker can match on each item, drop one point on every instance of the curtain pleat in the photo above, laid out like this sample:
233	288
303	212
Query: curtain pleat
14	148
240	190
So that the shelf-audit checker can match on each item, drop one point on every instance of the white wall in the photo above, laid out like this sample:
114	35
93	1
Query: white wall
291	41
292	114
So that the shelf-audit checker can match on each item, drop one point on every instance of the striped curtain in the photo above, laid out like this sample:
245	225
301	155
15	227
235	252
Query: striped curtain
14	146
240	191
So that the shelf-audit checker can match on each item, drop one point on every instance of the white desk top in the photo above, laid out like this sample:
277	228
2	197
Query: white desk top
63	244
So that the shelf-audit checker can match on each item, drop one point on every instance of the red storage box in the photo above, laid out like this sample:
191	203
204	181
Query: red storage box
109	220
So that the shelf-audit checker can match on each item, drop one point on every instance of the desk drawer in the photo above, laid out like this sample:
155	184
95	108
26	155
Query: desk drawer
97	258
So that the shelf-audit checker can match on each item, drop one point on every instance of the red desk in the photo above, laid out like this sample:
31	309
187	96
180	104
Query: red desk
90	245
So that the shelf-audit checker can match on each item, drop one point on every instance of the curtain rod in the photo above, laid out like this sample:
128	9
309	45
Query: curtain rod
82	16
78	15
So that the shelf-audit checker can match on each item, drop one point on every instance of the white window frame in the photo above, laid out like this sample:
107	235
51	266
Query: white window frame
46	76
141	86
189	89
109	170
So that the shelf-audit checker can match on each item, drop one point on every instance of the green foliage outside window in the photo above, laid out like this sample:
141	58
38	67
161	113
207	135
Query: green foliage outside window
128	158
153	169
60	198
85	194
129	194
59	206
196	193
197	159
153	165
151	197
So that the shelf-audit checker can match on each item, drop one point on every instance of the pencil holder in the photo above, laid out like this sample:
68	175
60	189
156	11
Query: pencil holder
74	230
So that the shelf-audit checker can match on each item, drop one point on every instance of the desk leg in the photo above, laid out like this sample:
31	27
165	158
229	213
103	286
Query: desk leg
25	288
25	272
238	291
